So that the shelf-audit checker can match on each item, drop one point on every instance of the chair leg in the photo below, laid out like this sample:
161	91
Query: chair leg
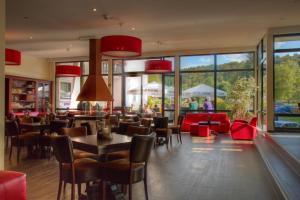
167	142
65	184
10	151
103	190
73	191
130	191
59	189
6	143
79	189
145	184
18	153
180	136
171	140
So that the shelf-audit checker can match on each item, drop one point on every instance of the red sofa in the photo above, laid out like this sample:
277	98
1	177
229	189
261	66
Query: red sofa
196	117
242	130
12	185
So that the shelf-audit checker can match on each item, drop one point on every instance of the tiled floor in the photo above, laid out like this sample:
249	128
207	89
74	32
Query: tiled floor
214	168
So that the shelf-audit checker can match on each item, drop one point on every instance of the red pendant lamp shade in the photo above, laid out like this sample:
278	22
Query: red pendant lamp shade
67	70
158	66
12	57
121	46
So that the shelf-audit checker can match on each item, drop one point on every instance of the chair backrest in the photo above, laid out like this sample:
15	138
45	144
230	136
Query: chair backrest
36	119
74	132
11	128
180	120
56	125
71	122
140	148
88	127
113	120
253	121
140	130
62	148
51	116
124	125
26	120
146	122
160	122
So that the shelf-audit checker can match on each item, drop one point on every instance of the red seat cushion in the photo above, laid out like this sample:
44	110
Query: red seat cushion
12	185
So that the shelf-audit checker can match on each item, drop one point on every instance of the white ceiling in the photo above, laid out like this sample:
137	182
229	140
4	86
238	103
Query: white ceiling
56	25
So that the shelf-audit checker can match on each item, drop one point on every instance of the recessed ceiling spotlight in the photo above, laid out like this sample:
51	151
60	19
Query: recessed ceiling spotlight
30	37
132	28
282	18
94	9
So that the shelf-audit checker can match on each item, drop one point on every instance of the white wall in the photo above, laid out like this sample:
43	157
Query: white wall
31	67
2	43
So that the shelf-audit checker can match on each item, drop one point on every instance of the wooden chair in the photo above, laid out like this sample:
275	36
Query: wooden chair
176	129
146	122
132	170
45	139
88	127
113	120
161	129
77	132
19	140
131	131
72	171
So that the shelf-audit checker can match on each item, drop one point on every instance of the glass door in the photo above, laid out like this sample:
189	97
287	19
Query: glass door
44	97
133	93
168	96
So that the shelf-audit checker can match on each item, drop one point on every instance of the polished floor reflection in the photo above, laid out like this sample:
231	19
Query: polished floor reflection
200	168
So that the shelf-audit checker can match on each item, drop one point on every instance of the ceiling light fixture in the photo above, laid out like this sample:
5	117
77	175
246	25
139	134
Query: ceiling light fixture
30	37
121	46
94	9
67	71
158	66
12	57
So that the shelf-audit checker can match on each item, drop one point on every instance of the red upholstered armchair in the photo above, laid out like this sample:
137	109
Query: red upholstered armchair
12	185
242	130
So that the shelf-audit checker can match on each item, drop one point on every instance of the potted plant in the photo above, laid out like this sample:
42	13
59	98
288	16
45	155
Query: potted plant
240	97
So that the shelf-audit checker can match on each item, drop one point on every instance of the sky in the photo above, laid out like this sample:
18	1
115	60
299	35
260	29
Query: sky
204	60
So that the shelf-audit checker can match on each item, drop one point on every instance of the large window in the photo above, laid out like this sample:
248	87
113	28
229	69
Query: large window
142	91
207	79
287	82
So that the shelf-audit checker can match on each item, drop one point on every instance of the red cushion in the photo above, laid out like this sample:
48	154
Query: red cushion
242	131
12	185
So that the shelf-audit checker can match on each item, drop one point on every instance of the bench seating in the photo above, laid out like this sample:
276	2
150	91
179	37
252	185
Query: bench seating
223	118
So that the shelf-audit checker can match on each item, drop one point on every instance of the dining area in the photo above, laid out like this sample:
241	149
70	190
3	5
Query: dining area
100	157
133	164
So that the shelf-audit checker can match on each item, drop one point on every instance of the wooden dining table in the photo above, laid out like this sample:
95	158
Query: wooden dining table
34	127
93	144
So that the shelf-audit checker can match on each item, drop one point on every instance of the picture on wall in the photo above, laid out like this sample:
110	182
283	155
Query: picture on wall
65	90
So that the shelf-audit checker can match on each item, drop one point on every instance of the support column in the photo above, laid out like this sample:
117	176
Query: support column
110	82
176	88
2	93
270	83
